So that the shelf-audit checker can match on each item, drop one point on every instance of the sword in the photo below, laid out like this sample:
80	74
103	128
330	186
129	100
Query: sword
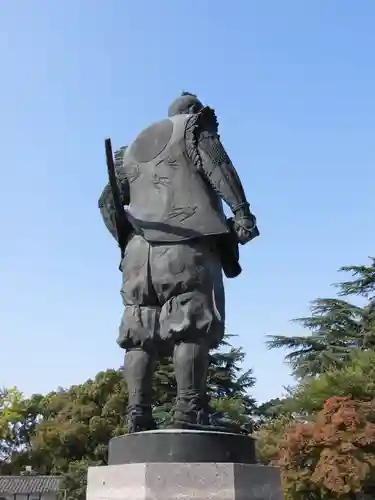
123	226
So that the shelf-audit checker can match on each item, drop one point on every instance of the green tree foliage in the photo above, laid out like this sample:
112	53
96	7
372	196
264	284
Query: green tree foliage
322	434
164	390
75	480
69	429
268	438
228	386
355	379
11	414
273	409
19	417
363	283
337	327
78	422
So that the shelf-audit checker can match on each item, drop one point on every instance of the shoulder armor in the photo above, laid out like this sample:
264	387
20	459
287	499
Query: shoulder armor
199	125
207	120
204	121
119	157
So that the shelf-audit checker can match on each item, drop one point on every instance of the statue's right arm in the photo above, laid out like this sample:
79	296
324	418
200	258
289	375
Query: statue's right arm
106	202
210	157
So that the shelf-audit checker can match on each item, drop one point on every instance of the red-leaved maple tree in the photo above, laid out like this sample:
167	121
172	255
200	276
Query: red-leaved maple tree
334	454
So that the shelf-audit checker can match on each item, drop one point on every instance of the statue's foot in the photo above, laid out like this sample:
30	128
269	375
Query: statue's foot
181	424
139	421
219	420
140	424
231	428
204	421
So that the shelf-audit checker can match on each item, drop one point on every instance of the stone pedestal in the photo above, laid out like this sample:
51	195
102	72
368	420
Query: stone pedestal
183	465
163	446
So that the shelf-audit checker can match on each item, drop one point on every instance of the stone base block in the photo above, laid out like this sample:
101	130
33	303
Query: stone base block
182	446
179	481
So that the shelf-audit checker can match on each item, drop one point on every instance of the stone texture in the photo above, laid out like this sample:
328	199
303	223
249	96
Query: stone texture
257	482
120	482
178	481
182	446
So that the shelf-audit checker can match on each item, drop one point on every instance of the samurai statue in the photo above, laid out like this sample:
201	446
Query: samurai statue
176	242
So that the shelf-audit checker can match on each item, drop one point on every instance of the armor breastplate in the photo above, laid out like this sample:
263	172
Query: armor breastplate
169	199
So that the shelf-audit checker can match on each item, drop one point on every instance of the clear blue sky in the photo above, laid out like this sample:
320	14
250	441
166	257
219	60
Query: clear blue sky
293	83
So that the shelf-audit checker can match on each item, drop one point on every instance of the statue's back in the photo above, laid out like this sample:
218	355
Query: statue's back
169	199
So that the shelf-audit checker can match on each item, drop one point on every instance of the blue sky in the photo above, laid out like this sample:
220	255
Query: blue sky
293	85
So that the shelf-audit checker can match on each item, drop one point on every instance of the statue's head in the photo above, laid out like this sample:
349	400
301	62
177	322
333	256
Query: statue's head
185	104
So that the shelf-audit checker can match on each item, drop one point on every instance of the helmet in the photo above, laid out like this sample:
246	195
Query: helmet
186	103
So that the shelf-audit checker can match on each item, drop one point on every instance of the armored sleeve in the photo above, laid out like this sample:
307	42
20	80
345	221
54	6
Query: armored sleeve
106	202
210	157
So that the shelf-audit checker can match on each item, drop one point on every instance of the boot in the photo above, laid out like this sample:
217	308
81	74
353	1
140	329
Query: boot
192	409
138	371
190	365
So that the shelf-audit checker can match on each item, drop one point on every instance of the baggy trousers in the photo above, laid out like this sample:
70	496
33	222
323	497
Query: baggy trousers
172	294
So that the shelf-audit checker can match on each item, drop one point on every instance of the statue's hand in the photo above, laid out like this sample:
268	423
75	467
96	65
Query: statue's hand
245	226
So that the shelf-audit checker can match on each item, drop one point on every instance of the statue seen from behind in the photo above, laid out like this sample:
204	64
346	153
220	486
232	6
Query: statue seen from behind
175	242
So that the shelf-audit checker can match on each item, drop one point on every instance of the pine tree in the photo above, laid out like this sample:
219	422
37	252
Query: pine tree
227	385
164	390
364	283
337	326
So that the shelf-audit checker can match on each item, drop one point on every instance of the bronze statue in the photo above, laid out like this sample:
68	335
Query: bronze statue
175	242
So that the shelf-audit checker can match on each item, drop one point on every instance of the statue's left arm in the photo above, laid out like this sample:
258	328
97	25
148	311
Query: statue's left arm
106	202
